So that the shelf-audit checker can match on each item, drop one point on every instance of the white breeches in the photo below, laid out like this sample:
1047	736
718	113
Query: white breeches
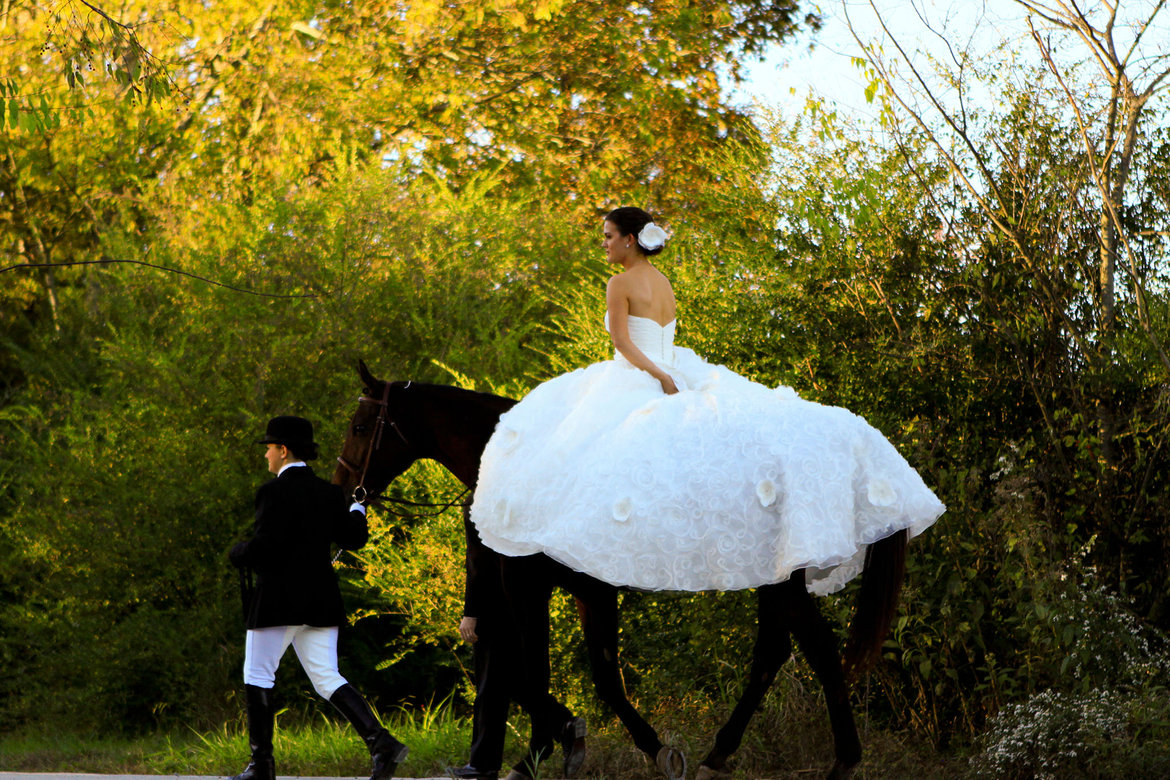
316	648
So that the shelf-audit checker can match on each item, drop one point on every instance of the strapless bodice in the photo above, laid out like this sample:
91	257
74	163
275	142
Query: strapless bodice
656	341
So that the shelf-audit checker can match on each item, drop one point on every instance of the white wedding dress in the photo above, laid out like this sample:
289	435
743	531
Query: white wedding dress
726	485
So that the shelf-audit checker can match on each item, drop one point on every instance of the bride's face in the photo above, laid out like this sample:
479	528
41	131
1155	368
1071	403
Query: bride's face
617	247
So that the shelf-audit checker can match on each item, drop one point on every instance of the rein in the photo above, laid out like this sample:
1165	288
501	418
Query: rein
439	509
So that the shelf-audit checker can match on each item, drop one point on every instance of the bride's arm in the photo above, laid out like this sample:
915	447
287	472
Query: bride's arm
617	302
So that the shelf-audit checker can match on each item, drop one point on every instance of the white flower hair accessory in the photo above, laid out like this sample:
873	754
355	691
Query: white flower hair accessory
651	236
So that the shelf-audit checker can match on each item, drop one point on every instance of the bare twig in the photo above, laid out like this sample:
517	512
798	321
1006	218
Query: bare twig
111	261
997	216
1111	198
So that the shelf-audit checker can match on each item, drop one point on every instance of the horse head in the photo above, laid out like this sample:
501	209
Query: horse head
376	448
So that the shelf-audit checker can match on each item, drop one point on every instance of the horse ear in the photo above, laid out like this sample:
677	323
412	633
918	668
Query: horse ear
371	381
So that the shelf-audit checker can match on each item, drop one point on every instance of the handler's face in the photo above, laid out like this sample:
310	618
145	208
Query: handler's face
275	454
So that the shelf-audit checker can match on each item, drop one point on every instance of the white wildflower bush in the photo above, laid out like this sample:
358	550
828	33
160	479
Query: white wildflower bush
1099	734
1106	714
1105	643
1052	734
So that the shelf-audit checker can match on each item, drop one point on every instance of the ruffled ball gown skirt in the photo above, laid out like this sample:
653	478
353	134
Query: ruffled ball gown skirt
726	485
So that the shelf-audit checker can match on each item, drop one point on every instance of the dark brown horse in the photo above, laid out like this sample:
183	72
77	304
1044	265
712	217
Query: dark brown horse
397	423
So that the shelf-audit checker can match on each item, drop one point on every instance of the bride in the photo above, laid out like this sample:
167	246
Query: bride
658	470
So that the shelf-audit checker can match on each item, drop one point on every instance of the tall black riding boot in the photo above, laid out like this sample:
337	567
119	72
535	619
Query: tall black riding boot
386	751
261	720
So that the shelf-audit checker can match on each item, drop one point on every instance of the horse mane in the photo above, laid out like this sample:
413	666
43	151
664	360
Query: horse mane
474	410
496	403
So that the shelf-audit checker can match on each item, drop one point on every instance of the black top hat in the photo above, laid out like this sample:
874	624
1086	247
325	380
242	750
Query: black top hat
296	433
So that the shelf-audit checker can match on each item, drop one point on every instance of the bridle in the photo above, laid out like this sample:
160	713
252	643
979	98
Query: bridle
360	494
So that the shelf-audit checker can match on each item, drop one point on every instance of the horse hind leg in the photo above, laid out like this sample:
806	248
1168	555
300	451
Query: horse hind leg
772	649
819	645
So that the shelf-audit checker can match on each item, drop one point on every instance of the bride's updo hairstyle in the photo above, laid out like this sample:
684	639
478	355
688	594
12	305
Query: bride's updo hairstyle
630	220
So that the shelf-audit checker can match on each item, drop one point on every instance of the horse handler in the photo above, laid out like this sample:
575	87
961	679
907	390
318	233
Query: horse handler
487	626
295	599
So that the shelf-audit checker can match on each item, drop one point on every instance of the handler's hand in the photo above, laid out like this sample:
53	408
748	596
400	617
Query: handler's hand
467	629
236	556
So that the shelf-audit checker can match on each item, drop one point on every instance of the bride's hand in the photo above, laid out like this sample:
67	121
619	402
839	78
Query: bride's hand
668	385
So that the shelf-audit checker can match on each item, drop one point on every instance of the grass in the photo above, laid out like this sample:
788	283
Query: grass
305	746
29	752
325	746
327	749
788	740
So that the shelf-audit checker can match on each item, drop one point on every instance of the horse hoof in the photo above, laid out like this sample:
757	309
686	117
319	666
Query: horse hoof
672	763
573	742
707	773
841	771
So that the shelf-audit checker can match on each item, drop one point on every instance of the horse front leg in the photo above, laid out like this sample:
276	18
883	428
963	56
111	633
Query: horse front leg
528	584
772	649
598	605
819	645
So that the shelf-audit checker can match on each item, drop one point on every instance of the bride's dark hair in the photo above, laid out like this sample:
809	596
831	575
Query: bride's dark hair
630	220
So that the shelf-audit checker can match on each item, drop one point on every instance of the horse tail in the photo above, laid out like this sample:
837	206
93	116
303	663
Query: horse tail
877	601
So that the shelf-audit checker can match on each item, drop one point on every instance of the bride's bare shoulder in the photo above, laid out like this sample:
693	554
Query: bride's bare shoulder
619	280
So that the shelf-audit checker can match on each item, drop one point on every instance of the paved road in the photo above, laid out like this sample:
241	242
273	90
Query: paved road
82	776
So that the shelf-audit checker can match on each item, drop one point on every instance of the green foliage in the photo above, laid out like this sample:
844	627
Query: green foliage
383	199
138	473
960	348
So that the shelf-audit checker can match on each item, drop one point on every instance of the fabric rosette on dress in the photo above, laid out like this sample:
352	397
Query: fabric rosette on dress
725	485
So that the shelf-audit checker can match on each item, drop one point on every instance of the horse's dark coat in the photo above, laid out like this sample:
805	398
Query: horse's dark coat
452	426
